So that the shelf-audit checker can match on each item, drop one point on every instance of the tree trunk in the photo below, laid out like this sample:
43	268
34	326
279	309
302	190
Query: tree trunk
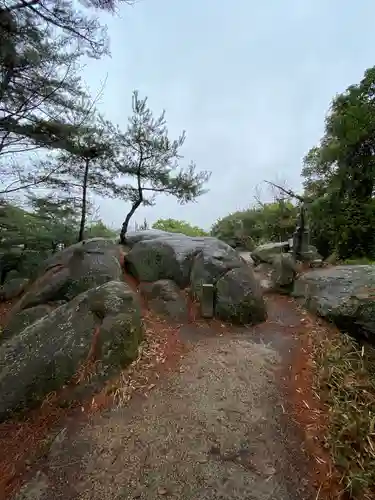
135	205
84	201
125	225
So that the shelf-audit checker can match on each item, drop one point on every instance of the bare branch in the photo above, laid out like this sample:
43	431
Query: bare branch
289	192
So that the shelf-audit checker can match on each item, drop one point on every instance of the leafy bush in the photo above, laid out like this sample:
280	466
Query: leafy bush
178	226
249	228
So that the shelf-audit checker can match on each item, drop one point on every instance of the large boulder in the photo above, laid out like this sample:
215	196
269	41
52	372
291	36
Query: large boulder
210	264
74	270
342	294
239	298
13	288
311	255
191	262
158	254
284	271
102	324
165	298
267	252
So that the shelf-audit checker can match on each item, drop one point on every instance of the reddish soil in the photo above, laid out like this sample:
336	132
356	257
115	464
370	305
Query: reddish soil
25	442
306	409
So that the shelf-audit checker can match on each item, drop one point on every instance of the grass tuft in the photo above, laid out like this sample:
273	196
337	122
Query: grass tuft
346	377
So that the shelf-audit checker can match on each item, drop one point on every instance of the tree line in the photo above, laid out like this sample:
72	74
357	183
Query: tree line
338	186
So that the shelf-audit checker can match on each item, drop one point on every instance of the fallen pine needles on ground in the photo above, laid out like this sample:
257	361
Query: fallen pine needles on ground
346	381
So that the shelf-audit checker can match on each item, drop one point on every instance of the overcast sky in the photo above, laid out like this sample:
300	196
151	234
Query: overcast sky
249	81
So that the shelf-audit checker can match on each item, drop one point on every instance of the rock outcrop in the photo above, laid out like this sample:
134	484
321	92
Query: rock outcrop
13	288
73	271
78	309
103	322
190	263
269	251
239	297
344	295
284	271
165	298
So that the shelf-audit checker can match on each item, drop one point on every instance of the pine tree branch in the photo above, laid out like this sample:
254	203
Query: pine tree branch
59	24
22	4
287	191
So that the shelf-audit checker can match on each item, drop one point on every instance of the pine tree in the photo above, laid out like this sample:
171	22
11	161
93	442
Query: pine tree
147	155
42	42
58	220
89	168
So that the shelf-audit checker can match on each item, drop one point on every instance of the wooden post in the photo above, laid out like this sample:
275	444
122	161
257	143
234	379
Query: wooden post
207	301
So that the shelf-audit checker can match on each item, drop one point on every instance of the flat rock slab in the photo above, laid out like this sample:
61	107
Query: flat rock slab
213	430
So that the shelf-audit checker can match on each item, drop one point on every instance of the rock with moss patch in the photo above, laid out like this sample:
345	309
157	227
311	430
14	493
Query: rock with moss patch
19	321
166	298
267	252
104	322
344	295
284	271
192	262
239	298
13	288
73	271
210	264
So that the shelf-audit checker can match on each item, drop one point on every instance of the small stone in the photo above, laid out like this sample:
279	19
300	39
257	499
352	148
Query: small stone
162	490
203	460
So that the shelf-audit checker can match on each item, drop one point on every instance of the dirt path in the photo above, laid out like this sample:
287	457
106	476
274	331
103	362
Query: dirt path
217	427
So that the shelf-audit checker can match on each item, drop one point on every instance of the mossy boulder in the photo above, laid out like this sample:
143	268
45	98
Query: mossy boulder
19	321
13	288
239	297
195	261
104	322
74	270
165	298
344	295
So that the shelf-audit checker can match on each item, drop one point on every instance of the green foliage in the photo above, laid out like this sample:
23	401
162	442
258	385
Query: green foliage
151	158
49	225
339	175
358	262
57	221
249	228
42	43
88	168
16	226
179	226
99	230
